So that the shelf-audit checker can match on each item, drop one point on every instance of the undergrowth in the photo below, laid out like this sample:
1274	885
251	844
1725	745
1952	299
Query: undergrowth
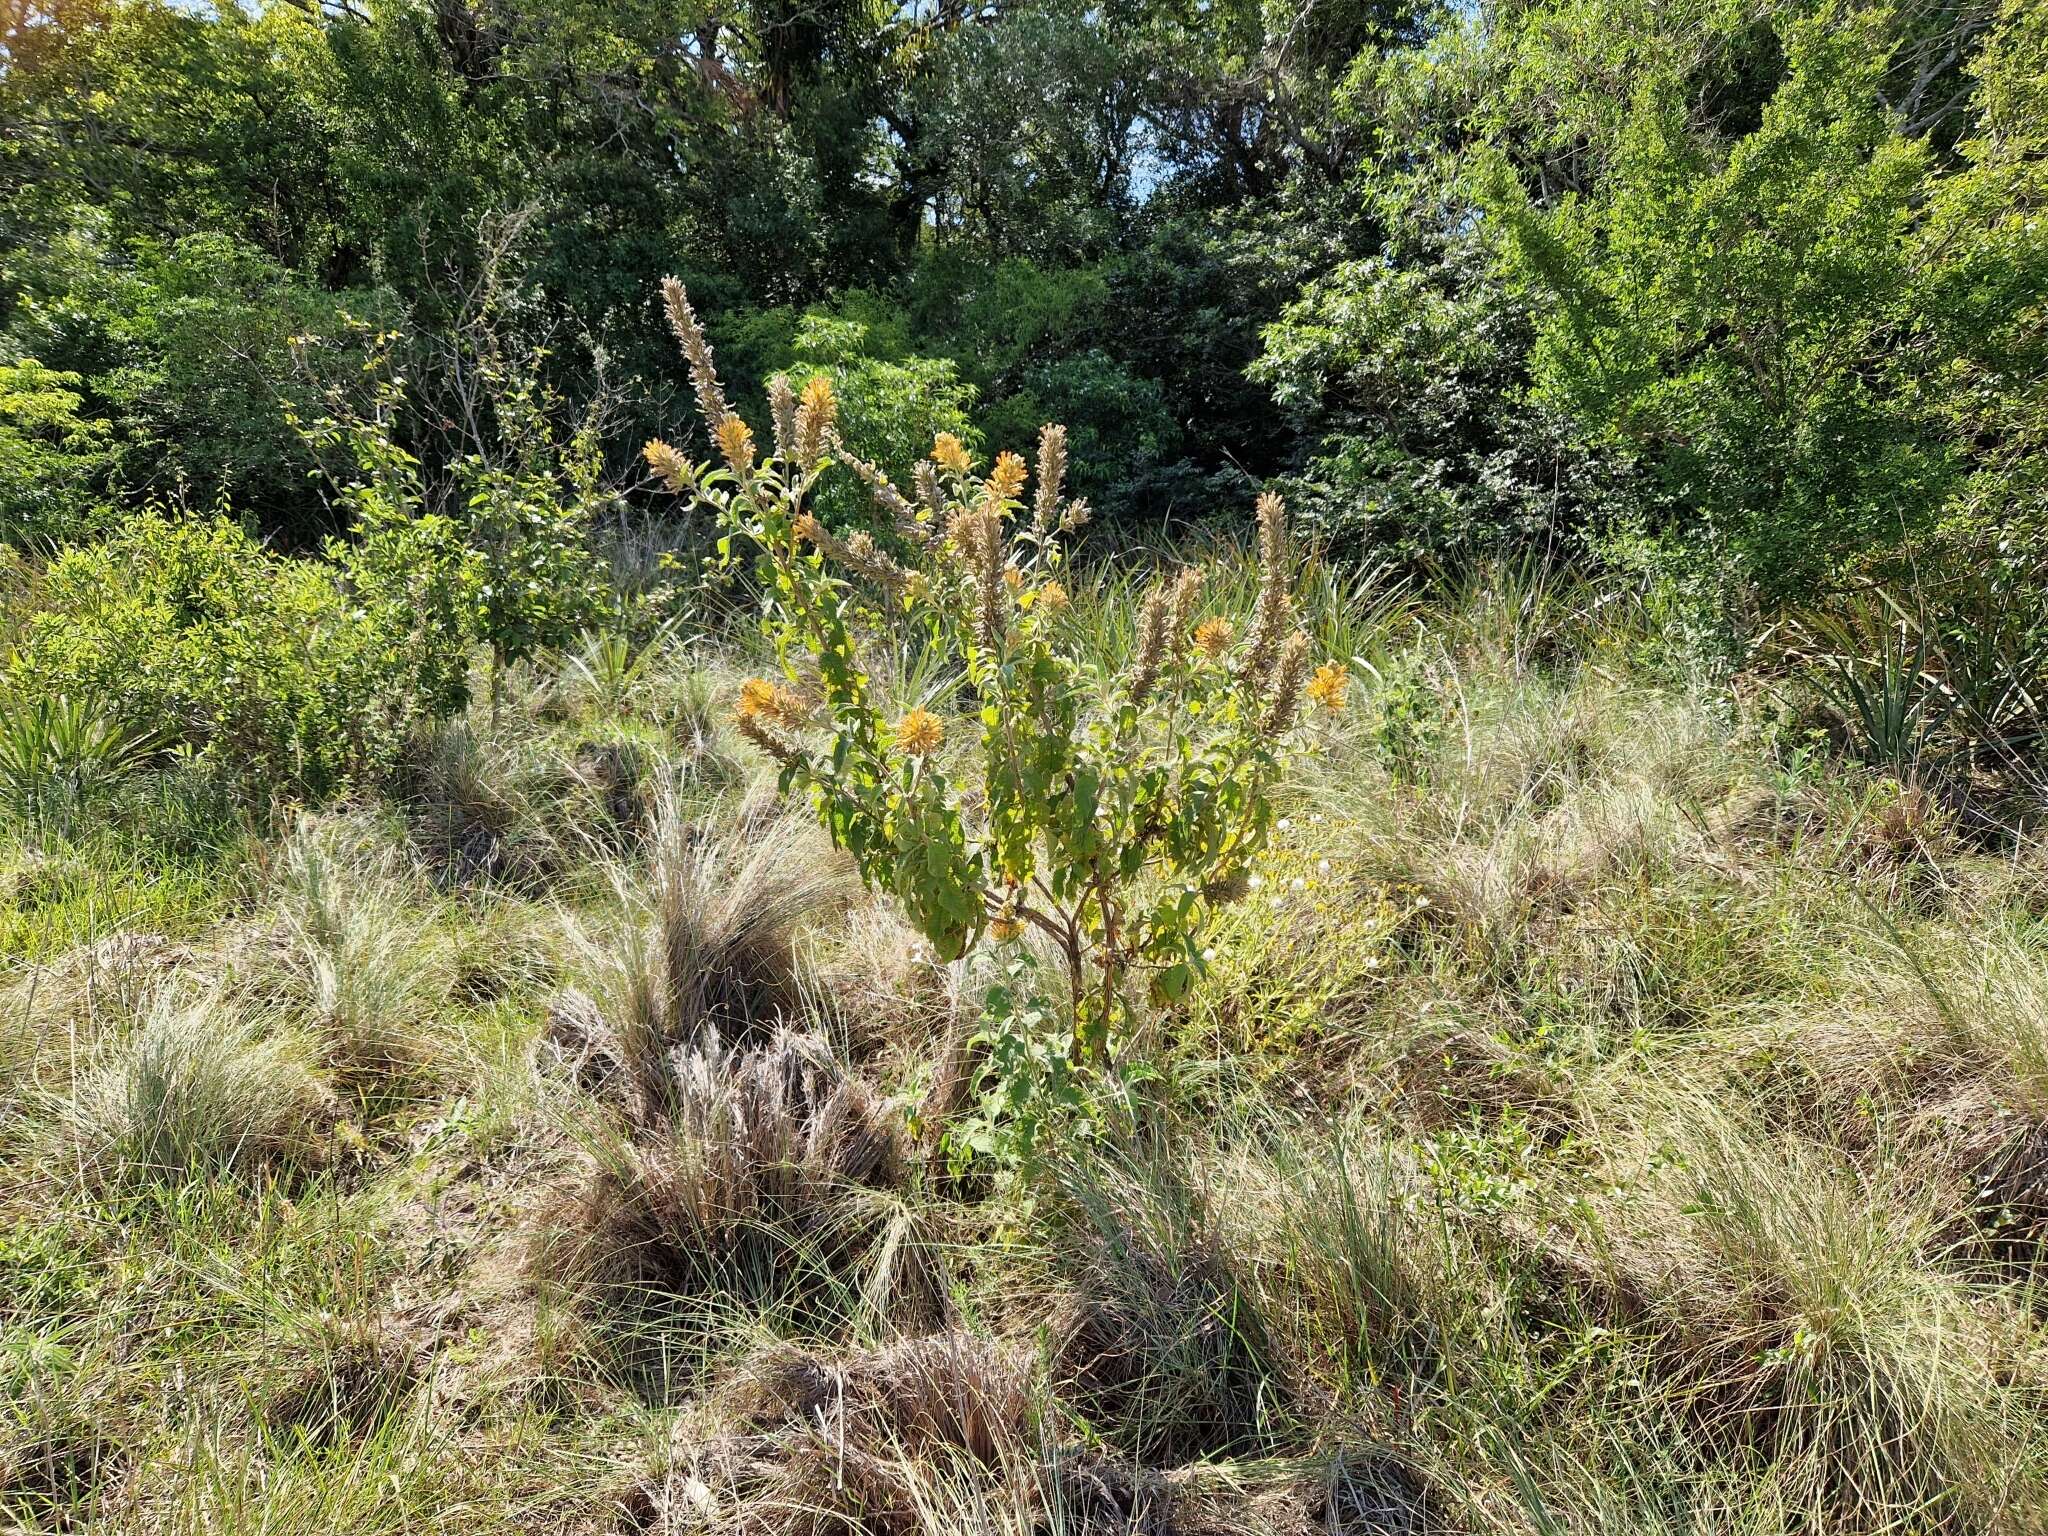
1605	1110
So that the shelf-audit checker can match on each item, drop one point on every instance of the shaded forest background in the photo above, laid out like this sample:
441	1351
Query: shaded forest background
1747	296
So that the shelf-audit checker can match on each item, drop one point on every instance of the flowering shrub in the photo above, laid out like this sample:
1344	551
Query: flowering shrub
1112	813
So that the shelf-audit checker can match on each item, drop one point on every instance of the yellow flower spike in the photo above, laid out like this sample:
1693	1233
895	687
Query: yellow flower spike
1007	478
761	700
1005	930
949	453
1213	637
736	443
919	733
815	414
1329	686
819	400
1013	578
1052	597
668	465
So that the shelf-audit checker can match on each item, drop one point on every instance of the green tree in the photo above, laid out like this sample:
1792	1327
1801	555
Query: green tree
1765	309
187	350
53	462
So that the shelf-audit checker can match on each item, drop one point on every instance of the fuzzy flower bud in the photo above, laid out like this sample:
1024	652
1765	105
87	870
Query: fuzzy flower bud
1227	887
669	466
1213	637
1187	592
1274	610
757	731
1154	621
950	454
989	587
782	408
887	497
1006	480
815	414
919	733
756	695
925	481
859	553
736	443
763	700
1329	686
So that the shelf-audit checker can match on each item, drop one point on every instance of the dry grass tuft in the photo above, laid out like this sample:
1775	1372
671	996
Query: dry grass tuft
1807	1329
520	806
764	1174
876	1441
199	1088
53	1016
1158	1347
350	951
705	945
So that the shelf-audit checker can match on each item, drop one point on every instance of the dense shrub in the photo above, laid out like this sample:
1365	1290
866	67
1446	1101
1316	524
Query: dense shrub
52	459
185	348
1120	429
1405	376
300	674
1775	310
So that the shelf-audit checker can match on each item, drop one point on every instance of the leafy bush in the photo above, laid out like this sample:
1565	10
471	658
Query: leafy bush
512	562
996	317
1408	373
1120	430
300	674
1113	814
52	460
186	349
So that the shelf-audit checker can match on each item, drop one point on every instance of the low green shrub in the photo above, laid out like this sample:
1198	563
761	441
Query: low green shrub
302	675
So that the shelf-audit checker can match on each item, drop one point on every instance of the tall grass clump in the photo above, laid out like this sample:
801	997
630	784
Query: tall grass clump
356	954
733	1160
201	1087
1159	1345
701	942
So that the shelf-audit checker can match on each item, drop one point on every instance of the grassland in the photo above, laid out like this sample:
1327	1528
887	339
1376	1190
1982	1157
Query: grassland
1611	1110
